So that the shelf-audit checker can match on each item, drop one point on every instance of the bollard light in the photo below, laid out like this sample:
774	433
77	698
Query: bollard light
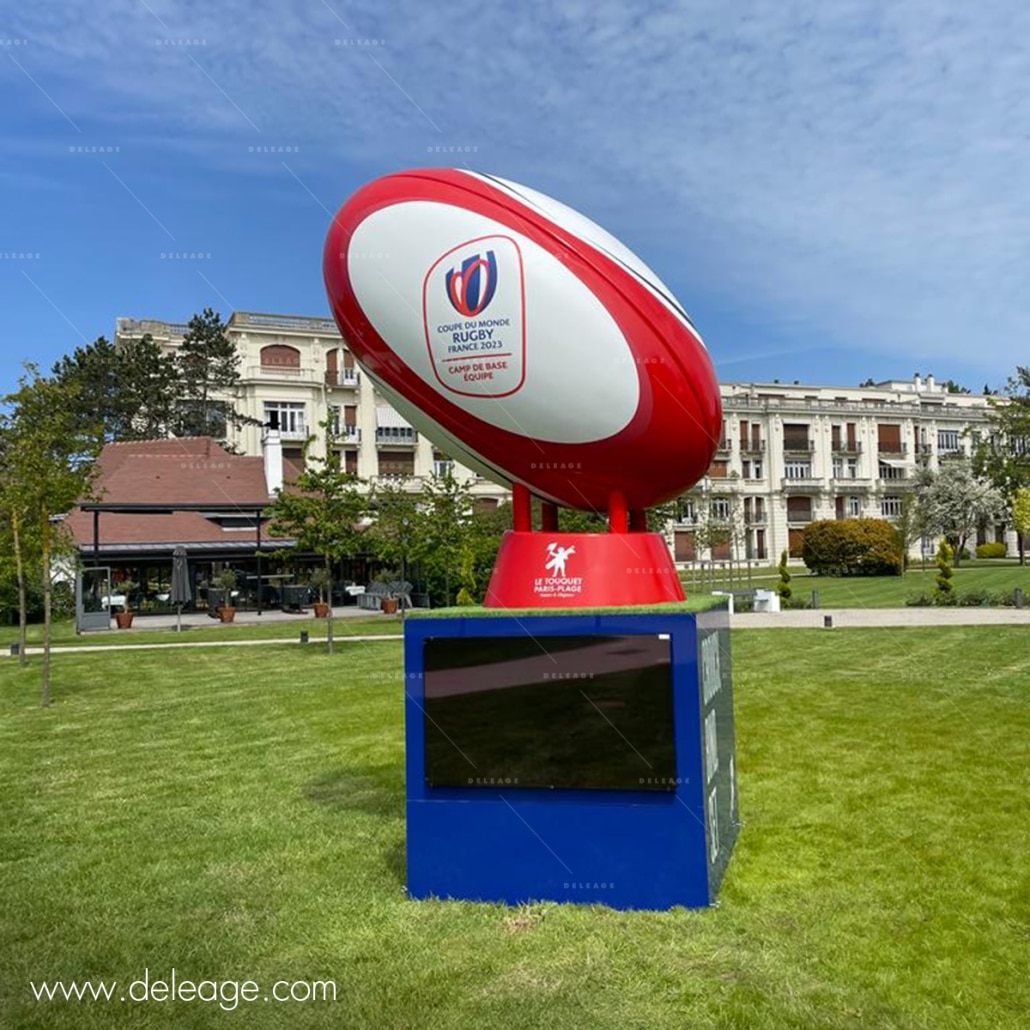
303	636
827	622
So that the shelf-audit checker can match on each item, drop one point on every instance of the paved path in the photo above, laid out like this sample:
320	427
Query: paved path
844	618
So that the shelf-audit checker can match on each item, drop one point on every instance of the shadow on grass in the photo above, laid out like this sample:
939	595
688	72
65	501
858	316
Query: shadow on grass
378	791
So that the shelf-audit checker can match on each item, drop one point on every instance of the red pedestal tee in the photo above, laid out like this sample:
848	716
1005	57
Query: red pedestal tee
582	570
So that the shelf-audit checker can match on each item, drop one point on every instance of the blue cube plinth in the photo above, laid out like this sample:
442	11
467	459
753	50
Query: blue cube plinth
629	848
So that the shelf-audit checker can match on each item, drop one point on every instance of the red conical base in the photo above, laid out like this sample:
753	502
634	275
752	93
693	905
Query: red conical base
582	570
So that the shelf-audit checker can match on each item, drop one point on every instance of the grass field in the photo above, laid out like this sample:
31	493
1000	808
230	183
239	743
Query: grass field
875	591
238	814
64	632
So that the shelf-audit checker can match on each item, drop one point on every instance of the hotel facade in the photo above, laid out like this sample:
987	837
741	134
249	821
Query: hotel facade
789	454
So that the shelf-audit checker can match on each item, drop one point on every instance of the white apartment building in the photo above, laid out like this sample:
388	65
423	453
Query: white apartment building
792	454
789	453
297	372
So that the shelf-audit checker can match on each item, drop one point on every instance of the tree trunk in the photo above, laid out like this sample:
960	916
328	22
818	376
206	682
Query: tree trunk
1022	554
45	701
23	614
329	614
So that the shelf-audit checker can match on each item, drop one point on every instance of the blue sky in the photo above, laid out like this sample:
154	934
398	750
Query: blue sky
833	191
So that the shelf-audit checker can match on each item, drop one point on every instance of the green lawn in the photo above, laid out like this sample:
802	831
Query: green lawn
875	591
238	813
64	632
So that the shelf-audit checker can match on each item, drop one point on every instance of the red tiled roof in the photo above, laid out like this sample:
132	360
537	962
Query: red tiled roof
171	471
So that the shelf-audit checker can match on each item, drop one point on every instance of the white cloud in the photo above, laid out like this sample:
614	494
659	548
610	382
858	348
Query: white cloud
850	172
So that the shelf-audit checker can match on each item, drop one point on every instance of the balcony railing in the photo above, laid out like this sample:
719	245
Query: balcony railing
405	480
723	445
798	446
892	448
349	434
291	373
799	516
341	377
846	484
752	447
805	483
757	518
298	433
396	435
843	447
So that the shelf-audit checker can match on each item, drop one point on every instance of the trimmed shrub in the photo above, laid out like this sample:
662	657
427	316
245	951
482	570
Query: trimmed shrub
922	600
976	599
783	586
991	550
852	547
944	590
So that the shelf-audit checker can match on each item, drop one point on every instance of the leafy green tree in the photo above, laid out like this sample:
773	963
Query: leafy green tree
48	466
954	501
1019	504
909	525
208	367
126	392
574	520
446	549
323	511
1003	454
394	535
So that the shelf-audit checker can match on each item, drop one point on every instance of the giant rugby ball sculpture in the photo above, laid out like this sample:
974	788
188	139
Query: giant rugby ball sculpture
534	348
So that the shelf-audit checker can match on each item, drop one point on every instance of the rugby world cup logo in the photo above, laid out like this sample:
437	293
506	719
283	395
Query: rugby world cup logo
471	287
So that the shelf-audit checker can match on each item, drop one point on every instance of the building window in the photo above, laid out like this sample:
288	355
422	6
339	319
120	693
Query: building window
796	437
396	463
889	438
797	469
852	468
891	471
756	469
278	355
720	509
947	441
854	507
838	468
890	506
288	417
799	509
442	465
334	419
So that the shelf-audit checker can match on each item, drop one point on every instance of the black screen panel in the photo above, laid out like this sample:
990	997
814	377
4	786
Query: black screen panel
587	712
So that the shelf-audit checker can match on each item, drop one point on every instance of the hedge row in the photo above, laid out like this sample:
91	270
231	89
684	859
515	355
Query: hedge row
852	547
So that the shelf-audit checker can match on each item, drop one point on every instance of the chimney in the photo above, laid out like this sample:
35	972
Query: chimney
930	383
272	448
919	382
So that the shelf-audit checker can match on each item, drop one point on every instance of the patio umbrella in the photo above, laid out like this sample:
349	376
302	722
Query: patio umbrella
181	593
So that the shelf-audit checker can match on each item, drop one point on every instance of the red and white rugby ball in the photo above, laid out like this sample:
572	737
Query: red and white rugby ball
522	339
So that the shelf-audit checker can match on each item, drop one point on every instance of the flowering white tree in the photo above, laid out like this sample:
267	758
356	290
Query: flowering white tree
954	502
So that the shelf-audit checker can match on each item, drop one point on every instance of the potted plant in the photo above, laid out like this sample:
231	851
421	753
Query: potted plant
225	581
123	619
321	579
387	580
